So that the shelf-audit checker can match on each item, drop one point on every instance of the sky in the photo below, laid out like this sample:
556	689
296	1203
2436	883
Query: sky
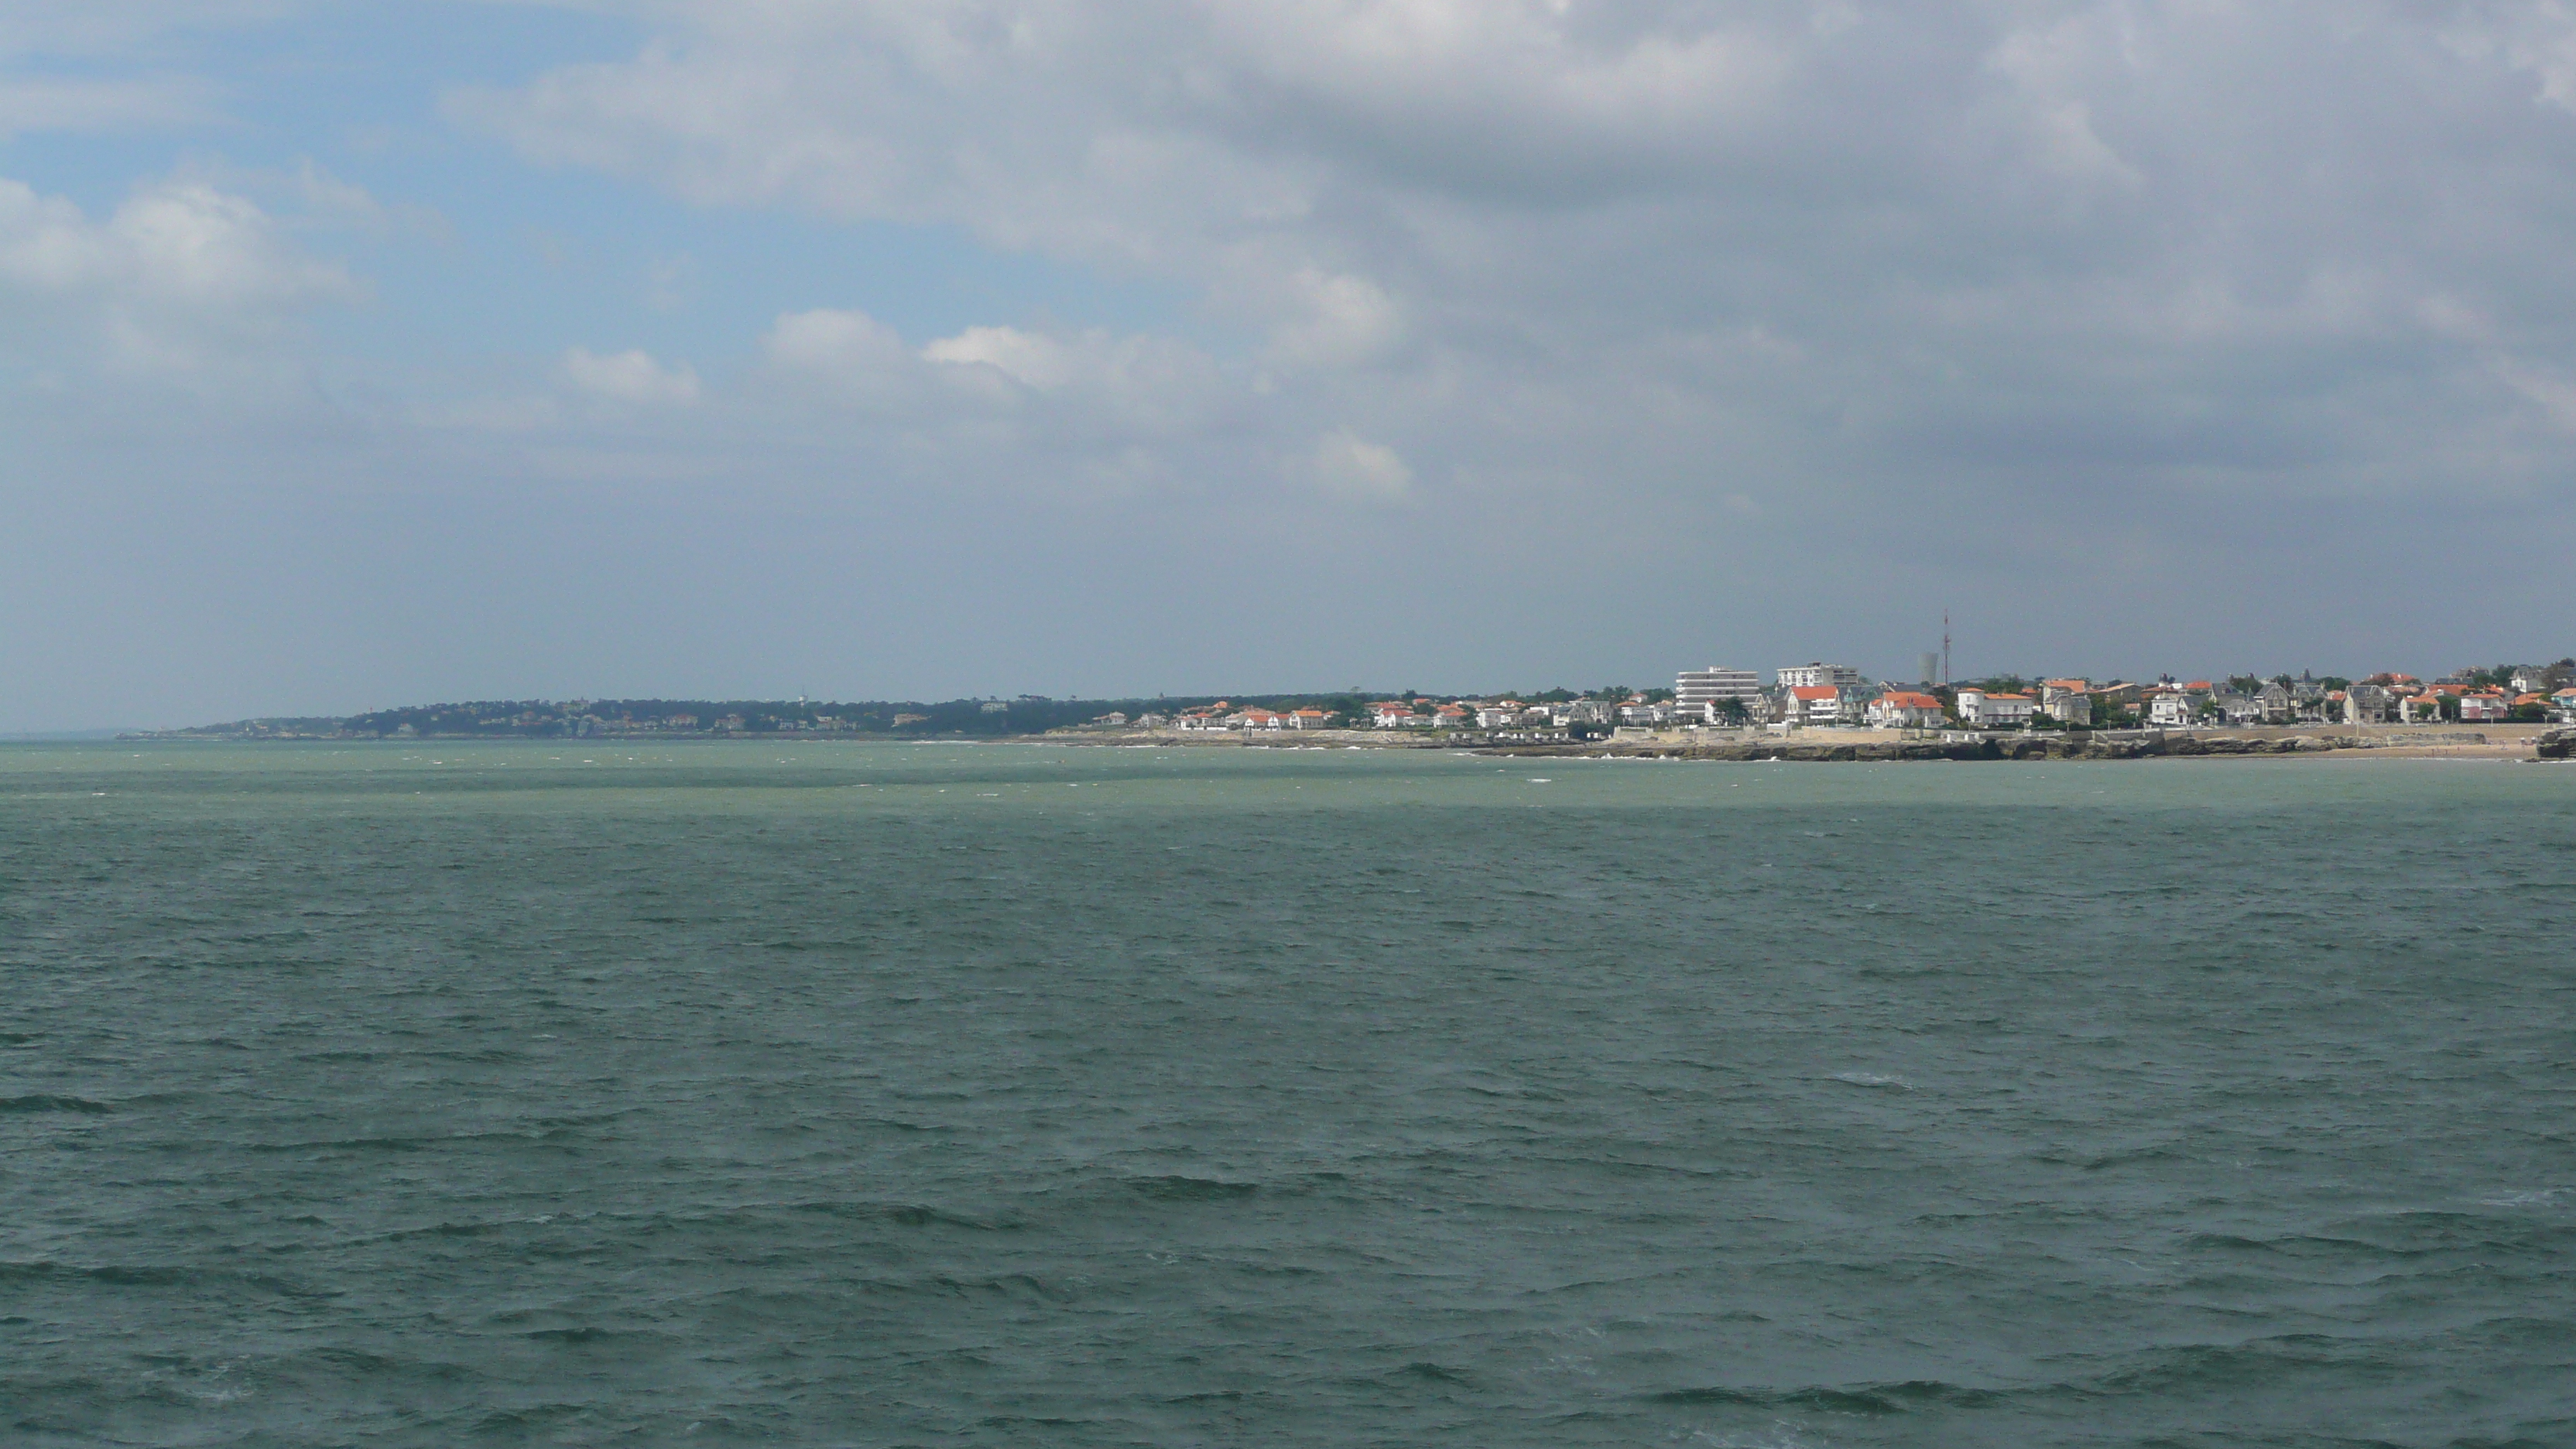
362	354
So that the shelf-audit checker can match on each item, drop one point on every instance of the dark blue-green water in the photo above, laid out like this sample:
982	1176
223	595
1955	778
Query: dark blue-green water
947	1095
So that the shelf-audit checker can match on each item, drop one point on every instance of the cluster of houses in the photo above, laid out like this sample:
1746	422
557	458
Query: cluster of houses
1819	695
2533	694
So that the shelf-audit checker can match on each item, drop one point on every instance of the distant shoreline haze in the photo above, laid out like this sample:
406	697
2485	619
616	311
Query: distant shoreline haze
587	718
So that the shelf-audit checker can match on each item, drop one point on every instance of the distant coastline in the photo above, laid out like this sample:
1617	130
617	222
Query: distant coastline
1820	713
1821	744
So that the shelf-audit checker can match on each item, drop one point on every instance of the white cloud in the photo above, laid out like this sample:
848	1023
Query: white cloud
631	377
1030	359
2537	37
182	277
1161	133
1095	383
2049	70
2080	288
1335	320
848	347
1355	470
2552	391
1986	239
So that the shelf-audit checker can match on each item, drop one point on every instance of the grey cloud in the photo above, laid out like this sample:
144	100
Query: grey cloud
2142	336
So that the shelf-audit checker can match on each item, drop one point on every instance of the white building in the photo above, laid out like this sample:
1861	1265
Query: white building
1816	704
2068	701
1696	689
1981	710
1901	709
2170	709
1817	676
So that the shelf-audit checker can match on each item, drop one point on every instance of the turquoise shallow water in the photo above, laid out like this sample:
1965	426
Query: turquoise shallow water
926	1094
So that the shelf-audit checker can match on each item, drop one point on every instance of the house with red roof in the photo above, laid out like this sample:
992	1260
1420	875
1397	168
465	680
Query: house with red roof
2484	706
1901	709
1815	704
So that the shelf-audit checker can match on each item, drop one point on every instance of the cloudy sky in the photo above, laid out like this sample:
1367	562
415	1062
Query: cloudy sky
368	353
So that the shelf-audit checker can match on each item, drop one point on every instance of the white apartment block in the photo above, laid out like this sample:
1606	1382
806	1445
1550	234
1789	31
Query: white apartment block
1819	676
1696	689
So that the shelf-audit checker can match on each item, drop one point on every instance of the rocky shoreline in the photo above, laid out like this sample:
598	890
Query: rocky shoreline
1807	747
2071	745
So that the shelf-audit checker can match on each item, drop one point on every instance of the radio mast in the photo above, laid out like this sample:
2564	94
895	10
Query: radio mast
1945	647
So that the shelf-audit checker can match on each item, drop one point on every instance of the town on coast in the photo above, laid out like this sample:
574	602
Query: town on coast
1816	711
1832	712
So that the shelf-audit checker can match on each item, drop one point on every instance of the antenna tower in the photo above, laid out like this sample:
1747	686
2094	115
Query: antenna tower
1945	647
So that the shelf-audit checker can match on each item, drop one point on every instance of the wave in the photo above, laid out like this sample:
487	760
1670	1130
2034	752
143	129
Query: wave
44	1103
1175	1188
1877	1399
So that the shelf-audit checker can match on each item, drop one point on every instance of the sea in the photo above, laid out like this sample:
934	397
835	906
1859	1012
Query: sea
839	1093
